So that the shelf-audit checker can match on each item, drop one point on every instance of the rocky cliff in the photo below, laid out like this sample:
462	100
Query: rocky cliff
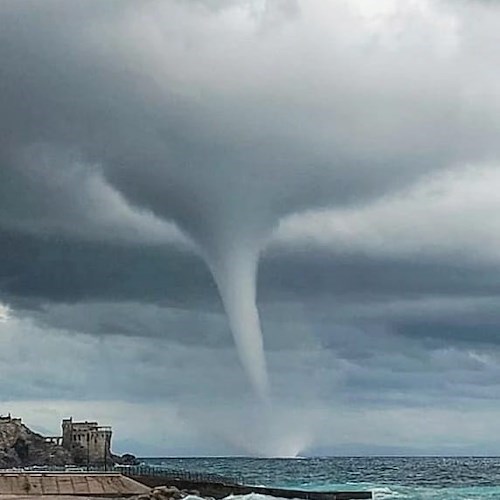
20	446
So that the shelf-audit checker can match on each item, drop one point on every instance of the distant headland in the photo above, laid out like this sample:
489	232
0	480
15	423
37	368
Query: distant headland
82	444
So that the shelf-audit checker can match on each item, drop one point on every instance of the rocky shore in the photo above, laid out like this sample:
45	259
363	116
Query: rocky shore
168	493
22	447
174	493
178	489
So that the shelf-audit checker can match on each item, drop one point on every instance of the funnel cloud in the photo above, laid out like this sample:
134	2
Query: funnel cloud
222	120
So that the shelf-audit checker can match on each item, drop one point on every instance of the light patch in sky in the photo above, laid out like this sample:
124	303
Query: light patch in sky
373	10
5	312
388	19
462	204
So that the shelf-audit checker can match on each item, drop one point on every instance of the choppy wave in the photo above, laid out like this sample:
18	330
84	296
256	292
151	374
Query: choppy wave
403	493
412	493
398	478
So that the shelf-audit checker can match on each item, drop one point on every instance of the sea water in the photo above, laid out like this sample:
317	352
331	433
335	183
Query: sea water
402	478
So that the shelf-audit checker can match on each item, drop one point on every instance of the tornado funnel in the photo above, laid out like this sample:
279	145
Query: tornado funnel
235	272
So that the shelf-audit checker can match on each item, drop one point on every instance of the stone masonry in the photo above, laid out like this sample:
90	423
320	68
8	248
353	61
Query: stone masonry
87	441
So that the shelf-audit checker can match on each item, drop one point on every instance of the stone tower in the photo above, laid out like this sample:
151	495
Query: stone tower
88	441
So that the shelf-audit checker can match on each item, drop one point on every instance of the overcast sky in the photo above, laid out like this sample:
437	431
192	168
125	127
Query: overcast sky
355	143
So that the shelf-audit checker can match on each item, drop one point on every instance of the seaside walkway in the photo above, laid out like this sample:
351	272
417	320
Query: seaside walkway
84	484
25	485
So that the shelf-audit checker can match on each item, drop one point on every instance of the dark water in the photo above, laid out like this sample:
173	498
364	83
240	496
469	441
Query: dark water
405	478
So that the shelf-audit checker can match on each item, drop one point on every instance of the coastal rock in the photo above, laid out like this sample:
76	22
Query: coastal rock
167	493
21	447
126	459
162	492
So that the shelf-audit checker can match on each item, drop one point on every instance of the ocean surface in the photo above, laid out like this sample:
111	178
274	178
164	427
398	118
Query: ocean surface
402	478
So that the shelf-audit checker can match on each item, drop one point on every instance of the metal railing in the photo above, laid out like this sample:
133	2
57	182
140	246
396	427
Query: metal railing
178	474
139	470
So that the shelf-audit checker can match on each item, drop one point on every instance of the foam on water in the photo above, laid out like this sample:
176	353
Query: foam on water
250	496
398	478
410	493
400	493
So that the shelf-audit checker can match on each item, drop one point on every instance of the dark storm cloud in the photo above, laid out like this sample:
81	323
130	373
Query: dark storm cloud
121	90
67	270
59	269
355	275
45	191
118	118
166	291
160	113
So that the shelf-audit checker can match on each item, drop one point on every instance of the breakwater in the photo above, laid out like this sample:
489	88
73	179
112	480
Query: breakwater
218	487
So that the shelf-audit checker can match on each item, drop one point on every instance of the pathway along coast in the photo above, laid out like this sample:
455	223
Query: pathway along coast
220	490
94	485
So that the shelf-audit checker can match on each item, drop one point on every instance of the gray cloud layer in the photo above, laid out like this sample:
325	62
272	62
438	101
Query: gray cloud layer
122	122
